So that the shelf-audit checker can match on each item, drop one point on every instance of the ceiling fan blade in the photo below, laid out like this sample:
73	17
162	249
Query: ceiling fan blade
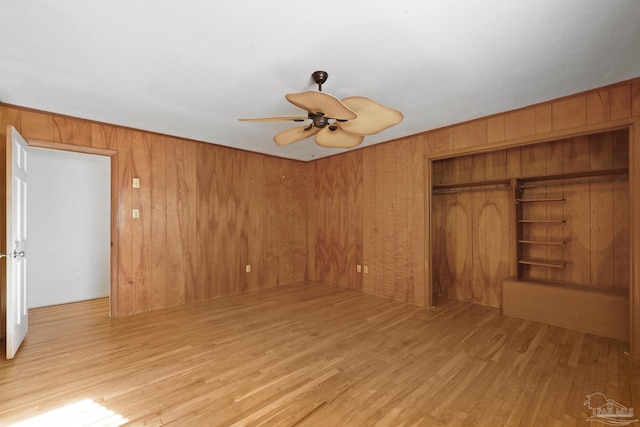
316	102
372	116
295	134
338	138
277	119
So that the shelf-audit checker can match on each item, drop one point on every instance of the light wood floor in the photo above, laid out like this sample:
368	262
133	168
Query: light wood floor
313	355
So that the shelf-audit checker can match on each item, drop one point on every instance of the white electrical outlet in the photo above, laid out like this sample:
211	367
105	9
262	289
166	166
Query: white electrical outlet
136	182
358	268
366	269
247	268
135	213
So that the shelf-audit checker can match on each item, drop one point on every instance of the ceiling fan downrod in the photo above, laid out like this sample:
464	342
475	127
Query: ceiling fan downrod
320	77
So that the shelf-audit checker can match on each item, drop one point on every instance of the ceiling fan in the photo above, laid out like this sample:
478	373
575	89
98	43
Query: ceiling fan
335	123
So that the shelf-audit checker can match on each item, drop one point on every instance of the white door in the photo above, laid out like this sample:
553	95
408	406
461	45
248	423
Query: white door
17	320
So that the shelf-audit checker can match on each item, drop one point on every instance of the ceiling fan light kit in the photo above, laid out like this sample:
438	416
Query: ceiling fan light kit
335	123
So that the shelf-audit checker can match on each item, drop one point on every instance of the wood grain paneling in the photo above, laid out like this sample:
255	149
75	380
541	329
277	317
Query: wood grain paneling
123	298
141	228
336	220
569	113
567	116
158	238
205	212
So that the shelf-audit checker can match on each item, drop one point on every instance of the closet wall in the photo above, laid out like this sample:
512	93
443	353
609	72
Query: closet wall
473	228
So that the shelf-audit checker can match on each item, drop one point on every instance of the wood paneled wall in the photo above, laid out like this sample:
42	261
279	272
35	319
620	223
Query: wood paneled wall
396	182
205	212
388	188
335	220
367	209
472	231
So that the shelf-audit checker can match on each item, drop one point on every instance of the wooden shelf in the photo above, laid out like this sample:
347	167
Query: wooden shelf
572	175
449	186
552	200
542	263
542	221
538	242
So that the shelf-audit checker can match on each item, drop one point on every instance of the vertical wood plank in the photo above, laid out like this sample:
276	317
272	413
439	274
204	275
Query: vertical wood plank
600	151
575	154
577	234
443	140
459	136
389	224
601	217
313	225
189	213
36	125
553	153
81	130
520	123
534	160
257	233
63	130
379	267
543	119
158	236
273	223
178	221
598	107
479	261
569	113
402	290
369	229
354	187
205	221
495	128
141	264
497	165
417	283
620	102
498	240
635	99
621	235
477	133
122	139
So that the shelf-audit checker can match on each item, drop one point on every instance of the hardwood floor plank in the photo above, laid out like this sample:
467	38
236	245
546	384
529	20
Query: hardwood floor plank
308	354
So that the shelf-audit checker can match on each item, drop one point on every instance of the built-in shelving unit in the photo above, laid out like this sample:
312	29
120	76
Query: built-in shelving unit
524	224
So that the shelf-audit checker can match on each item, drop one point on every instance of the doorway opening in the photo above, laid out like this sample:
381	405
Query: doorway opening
112	159
69	218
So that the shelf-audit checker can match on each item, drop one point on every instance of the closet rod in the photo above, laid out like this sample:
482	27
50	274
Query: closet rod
467	190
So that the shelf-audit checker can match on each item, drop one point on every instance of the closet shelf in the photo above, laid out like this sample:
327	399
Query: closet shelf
542	263
539	242
552	200
542	221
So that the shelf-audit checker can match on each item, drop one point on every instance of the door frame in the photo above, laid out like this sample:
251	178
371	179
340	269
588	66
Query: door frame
632	125
113	155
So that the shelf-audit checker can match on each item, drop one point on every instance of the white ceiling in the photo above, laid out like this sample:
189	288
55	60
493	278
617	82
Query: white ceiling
191	68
